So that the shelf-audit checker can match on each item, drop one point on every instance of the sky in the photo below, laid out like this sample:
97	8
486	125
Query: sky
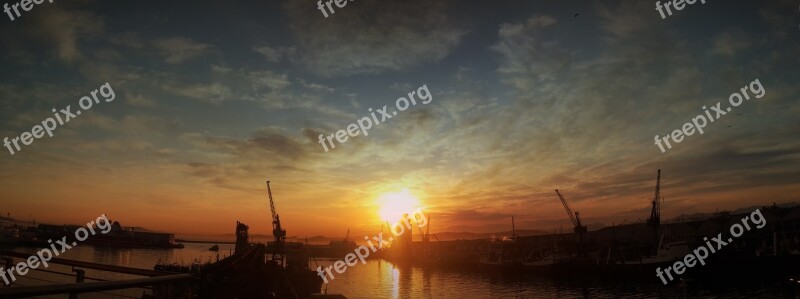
212	99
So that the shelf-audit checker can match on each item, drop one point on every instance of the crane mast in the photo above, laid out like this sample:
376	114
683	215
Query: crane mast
427	235
655	213
580	230
277	231
513	229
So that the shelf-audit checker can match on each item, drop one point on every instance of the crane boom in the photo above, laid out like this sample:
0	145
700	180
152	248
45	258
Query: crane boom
572	217
655	212
277	231
513	229
428	228
271	203
580	230
425	235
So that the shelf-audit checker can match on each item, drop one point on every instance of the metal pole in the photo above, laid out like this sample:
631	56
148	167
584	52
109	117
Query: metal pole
80	275
9	265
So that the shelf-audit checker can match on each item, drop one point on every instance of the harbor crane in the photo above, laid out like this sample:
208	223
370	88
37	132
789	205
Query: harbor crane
277	231
513	230
426	236
580	229
655	213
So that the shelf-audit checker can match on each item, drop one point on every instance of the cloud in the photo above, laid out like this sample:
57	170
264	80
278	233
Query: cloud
214	93
128	39
316	86
179	49
730	43
138	100
372	36
63	28
472	216
230	162
272	142
521	49
226	84
267	79
275	54
175	49
274	91
627	20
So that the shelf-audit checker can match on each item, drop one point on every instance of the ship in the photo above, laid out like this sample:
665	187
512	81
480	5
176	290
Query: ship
278	269
132	237
503	253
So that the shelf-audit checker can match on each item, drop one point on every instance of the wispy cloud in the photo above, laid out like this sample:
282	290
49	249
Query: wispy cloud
179	49
373	36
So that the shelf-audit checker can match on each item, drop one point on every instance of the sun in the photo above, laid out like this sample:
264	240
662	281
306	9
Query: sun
394	205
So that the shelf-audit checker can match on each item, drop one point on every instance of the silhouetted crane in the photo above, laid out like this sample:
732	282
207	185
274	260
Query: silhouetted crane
580	229
425	235
513	229
278	232
655	213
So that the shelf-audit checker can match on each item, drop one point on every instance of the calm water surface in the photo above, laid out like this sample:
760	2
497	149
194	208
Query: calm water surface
380	279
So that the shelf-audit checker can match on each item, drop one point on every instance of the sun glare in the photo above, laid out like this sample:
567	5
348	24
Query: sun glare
394	205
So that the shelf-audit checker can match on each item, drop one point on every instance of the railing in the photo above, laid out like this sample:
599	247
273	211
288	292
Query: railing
166	282
162	284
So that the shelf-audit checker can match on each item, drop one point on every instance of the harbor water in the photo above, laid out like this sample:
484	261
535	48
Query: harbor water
381	279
